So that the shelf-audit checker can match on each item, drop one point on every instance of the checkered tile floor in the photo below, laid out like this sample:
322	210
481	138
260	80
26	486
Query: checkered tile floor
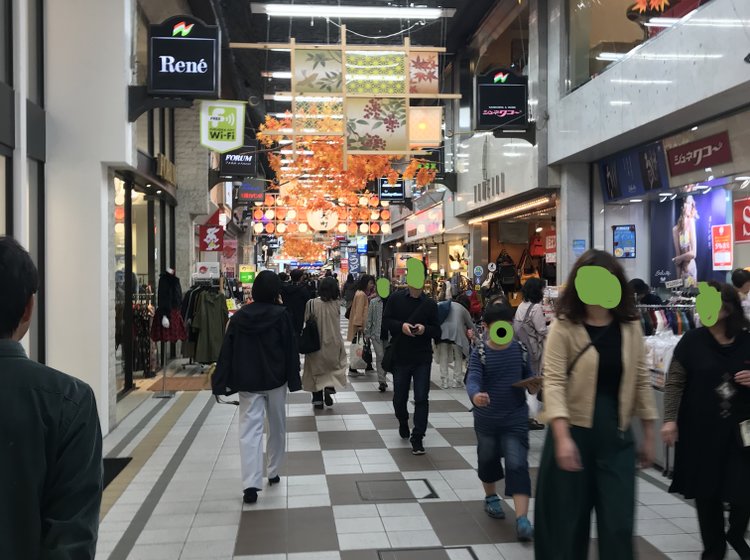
351	488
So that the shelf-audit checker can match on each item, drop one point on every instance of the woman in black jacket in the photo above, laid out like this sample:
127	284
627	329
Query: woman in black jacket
260	361
706	403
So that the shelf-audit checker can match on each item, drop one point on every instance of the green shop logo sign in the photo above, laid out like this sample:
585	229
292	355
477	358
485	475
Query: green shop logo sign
182	29
222	125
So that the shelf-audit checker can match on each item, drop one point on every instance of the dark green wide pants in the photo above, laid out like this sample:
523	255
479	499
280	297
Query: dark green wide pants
562	513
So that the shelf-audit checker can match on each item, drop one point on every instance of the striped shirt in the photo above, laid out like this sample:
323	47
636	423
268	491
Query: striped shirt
502	369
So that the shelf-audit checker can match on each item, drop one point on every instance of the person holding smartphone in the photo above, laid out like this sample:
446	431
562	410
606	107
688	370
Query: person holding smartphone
707	417
412	319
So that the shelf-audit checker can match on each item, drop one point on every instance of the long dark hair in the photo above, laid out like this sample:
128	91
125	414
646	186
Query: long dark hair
735	322
364	281
573	309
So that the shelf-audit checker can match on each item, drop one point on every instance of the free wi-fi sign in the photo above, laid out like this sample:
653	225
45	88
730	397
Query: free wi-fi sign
222	125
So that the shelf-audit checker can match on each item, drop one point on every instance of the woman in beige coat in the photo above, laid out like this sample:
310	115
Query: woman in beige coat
325	370
358	312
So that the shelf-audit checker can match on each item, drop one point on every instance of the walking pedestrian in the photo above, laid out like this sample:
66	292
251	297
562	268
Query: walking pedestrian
358	315
260	361
706	404
51	459
501	421
411	318
295	296
325	370
376	331
349	289
454	343
594	384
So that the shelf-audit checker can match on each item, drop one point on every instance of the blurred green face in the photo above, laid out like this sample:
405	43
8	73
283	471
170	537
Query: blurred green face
415	277
384	287
501	332
596	285
708	304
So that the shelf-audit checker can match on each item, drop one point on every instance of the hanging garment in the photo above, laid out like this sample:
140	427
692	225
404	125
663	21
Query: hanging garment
210	321
176	330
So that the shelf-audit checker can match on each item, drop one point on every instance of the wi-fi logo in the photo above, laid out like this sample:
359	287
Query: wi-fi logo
230	119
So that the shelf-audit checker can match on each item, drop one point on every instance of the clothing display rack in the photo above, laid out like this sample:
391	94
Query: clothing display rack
203	313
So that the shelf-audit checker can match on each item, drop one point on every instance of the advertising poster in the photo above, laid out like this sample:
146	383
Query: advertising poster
681	238
211	238
229	257
722	250
634	172
623	242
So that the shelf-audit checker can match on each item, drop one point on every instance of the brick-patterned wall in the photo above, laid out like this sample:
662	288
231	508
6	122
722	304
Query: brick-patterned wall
192	192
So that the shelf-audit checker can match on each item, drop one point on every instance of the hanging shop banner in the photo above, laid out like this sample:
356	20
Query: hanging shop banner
722	249
211	238
184	58
502	101
222	125
424	224
229	257
392	193
240	163
353	260
681	238
207	270
706	152
634	172
550	249
623	241
742	221
252	190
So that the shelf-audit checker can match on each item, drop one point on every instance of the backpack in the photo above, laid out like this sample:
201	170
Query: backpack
444	309
527	335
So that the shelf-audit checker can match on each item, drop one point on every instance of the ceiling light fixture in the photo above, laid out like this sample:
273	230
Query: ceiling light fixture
516	209
277	75
349	12
636	200
742	178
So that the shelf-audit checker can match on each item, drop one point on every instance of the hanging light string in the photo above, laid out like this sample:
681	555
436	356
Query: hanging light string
397	34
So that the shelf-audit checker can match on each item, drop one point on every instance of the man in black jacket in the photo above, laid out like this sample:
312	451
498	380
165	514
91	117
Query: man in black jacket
51	458
412	318
295	297
259	360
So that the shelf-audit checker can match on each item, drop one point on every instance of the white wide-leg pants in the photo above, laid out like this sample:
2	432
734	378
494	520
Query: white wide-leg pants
253	408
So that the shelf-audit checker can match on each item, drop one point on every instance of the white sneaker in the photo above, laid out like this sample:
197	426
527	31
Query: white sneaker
444	384
458	384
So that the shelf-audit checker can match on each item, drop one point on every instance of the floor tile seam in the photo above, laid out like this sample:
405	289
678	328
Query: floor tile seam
145	450
143	427
125	426
130	536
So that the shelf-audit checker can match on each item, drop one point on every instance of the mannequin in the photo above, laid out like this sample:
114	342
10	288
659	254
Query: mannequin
168	325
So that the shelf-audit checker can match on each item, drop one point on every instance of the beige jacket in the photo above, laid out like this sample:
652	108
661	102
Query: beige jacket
574	397
358	314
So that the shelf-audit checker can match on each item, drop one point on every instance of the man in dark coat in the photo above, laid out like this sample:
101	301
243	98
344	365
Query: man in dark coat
51	459
295	297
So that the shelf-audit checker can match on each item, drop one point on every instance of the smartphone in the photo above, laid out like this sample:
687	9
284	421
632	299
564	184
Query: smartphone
414	330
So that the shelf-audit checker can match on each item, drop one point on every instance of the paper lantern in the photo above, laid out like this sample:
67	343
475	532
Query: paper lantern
375	228
270	228
291	215
119	228
374	201
425	126
281	213
258	228
119	213
270	214
363	201
386	228
303	228
352	229
385	215
258	214
364	228
385	203
322	221
342	228
374	215
269	200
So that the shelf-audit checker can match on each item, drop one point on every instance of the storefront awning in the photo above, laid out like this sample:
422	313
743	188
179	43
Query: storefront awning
515	206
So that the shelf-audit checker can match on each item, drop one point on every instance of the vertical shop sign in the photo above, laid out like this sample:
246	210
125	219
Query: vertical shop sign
502	101
183	55
353	259
229	257
222	125
211	238
721	247
742	221
247	274
550	249
240	163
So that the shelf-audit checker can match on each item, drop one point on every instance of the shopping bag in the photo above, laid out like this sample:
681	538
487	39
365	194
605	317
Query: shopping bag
356	352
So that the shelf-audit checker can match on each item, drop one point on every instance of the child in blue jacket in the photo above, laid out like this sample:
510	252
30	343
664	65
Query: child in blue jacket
501	417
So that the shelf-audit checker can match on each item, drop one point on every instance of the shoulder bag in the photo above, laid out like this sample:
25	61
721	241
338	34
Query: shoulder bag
309	341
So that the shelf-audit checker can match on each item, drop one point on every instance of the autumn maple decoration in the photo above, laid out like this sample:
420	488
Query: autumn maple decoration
646	5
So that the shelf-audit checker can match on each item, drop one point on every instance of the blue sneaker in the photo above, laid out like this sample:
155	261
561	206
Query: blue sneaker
524	530
494	508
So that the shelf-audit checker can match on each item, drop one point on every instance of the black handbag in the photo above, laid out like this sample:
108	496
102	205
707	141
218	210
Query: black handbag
309	341
367	352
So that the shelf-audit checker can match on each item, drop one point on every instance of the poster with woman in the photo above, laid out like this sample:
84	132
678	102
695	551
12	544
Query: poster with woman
681	237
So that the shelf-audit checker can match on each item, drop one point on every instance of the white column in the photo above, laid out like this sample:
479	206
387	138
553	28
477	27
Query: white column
574	215
87	67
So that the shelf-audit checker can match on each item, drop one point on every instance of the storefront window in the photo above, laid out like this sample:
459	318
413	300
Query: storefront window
600	33
119	227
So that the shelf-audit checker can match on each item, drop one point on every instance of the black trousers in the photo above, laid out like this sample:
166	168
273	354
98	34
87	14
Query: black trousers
715	539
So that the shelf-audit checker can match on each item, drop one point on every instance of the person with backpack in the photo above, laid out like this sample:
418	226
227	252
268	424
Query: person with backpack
500	418
530	327
455	324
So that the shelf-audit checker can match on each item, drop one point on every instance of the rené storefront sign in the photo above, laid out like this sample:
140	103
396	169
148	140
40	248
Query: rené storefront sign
184	59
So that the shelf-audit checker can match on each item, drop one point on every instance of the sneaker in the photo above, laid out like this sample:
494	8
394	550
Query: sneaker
444	384
318	406
275	480
403	430
416	446
493	505
458	384
354	373
250	495
382	387
534	425
524	530
327	397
